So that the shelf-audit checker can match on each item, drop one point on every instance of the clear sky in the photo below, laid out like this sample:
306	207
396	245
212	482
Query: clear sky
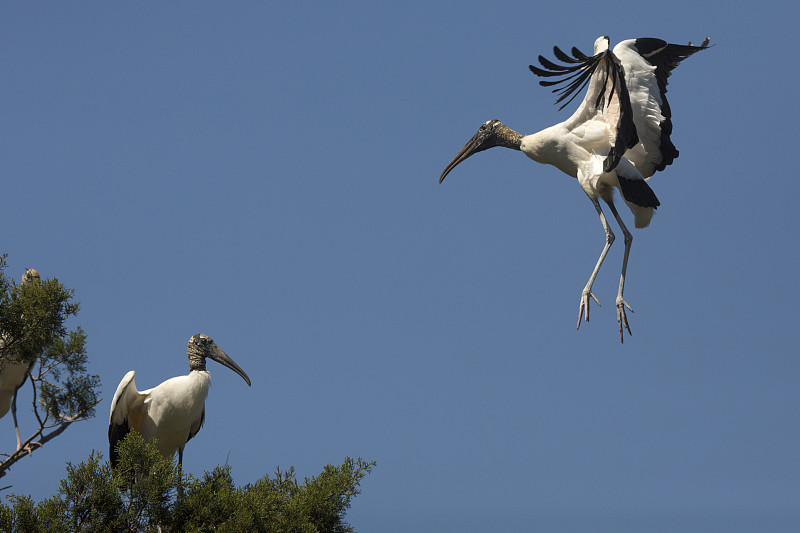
267	173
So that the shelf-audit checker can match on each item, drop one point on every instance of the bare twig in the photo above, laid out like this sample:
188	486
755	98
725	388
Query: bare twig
45	438
35	410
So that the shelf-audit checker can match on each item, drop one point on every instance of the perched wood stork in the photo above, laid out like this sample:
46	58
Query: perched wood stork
618	137
174	411
13	375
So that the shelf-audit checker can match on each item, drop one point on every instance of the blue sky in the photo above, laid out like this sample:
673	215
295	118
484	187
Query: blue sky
268	175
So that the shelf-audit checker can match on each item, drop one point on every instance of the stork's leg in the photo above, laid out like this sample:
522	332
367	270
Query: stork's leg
33	445
622	318
14	415
583	310
180	472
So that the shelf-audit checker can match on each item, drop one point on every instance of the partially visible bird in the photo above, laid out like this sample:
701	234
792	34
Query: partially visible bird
13	375
31	277
618	137
174	411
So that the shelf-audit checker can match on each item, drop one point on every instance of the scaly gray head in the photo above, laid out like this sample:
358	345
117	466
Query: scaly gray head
31	277
491	133
201	347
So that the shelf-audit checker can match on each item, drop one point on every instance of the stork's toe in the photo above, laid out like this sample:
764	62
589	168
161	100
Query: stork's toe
583	310
622	318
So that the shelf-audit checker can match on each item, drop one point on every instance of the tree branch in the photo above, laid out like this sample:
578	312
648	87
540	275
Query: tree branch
35	410
61	427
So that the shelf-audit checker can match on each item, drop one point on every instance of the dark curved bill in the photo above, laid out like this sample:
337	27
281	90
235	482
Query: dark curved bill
464	153
483	139
222	358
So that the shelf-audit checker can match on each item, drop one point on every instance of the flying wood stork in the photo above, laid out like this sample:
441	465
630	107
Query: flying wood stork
618	137
13	375
172	412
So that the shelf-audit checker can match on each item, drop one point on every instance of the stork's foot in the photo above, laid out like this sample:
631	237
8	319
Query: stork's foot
583	310
622	317
30	447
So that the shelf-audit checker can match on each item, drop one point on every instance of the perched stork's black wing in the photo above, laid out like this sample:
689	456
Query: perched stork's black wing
195	429
119	420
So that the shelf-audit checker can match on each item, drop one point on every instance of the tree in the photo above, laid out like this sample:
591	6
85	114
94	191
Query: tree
147	492
32	333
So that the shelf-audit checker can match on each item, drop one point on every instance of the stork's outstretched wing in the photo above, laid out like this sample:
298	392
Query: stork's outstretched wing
127	411
627	94
648	63
604	120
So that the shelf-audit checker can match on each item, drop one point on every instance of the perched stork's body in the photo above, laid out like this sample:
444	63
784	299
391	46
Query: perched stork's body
13	375
172	412
617	139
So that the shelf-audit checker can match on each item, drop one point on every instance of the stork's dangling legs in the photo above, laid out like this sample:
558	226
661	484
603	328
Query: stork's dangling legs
622	318
587	291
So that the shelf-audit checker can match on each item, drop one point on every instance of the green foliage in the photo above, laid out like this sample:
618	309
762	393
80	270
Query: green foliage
66	389
32	317
146	492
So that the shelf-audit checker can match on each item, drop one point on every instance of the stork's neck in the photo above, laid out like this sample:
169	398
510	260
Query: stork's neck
507	137
196	362
546	147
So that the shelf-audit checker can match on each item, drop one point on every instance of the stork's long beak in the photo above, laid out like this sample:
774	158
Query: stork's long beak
484	139
222	358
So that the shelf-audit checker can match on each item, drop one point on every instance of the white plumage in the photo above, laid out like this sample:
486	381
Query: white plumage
11	379
617	138
174	411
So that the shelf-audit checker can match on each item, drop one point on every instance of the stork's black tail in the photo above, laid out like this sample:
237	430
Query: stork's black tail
638	192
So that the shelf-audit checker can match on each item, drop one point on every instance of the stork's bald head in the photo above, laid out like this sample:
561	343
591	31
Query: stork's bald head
31	277
201	347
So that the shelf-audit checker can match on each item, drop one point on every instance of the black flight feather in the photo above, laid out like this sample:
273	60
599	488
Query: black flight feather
665	57
116	432
574	76
578	54
546	63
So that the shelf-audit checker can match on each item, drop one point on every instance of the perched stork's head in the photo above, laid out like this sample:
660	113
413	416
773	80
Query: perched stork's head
31	277
491	133
201	347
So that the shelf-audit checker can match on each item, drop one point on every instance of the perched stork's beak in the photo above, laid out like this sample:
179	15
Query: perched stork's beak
216	353
491	133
